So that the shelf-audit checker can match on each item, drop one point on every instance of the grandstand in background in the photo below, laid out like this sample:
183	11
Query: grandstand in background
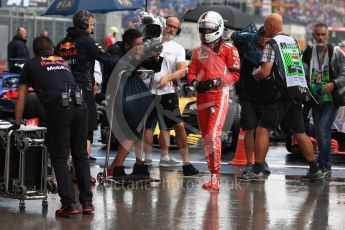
299	12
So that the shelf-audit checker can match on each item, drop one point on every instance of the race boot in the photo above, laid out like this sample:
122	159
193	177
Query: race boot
214	184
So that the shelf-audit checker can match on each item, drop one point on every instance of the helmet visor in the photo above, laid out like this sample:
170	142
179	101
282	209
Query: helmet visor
207	27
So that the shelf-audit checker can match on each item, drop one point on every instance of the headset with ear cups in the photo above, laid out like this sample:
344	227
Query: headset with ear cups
178	30
84	21
179	25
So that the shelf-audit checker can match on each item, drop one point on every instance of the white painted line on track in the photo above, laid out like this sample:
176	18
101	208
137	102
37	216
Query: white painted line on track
204	162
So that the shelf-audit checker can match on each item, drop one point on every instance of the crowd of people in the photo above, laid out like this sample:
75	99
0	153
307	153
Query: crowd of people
270	62
330	12
163	8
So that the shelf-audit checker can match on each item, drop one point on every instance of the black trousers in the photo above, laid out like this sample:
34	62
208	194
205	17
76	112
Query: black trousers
67	131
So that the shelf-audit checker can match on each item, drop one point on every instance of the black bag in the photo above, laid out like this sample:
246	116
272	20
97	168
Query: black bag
136	99
270	91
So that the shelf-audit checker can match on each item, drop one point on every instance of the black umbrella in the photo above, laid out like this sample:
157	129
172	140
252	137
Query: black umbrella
233	18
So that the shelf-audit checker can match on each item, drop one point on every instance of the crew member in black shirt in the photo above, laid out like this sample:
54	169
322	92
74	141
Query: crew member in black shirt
51	78
81	51
17	51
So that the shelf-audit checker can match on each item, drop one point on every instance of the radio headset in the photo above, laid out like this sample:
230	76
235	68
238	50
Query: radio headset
83	22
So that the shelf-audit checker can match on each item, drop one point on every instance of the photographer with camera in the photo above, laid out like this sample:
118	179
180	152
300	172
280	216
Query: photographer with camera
80	51
134	54
167	111
66	113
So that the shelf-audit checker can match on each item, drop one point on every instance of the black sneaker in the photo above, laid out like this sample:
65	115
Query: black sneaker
266	169
87	207
248	168
67	210
311	176
189	170
119	174
141	169
251	176
141	172
92	159
327	173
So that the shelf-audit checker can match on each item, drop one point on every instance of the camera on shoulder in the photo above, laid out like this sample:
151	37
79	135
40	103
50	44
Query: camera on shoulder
152	29
151	26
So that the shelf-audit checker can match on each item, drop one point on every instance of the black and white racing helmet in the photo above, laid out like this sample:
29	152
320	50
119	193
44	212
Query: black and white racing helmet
211	26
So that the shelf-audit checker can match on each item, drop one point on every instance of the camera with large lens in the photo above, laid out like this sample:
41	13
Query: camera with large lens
151	26
152	46
152	29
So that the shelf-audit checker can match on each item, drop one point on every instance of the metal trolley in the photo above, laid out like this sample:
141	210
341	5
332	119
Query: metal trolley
25	174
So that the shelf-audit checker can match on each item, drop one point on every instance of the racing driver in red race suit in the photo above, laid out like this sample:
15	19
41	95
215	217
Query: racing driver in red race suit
214	67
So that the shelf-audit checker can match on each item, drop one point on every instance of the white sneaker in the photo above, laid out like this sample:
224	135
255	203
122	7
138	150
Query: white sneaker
169	163
147	162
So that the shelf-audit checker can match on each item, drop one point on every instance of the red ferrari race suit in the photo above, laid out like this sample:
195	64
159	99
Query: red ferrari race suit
212	105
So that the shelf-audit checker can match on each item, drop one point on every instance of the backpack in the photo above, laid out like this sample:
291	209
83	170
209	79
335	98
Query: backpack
240	38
